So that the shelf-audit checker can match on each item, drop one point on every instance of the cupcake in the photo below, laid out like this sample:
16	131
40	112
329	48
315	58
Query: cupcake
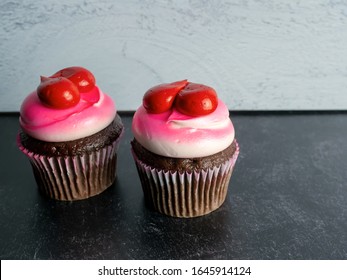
70	131
184	149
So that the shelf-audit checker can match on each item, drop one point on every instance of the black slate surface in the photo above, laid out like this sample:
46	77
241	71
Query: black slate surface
287	200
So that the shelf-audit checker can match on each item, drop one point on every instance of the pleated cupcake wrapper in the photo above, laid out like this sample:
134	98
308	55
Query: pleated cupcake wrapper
74	177
186	194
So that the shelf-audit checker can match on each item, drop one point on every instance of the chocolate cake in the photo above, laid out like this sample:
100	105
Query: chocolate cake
184	149
182	164
70	132
88	144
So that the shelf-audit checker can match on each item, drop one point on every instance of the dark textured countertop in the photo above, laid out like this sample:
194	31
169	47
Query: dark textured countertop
287	200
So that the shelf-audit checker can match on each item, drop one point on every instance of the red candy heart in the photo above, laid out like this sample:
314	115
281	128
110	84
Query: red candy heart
54	91
81	77
196	100
58	92
160	98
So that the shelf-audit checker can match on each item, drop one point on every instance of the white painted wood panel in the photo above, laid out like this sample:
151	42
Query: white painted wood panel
264	54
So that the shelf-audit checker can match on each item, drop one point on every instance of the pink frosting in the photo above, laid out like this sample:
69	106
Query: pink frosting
59	125
174	134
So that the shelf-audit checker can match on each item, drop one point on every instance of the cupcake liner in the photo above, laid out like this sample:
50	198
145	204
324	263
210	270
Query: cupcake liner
185	194
74	177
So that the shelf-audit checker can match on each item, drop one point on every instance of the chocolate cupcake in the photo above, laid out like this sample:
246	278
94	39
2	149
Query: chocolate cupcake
70	131
184	148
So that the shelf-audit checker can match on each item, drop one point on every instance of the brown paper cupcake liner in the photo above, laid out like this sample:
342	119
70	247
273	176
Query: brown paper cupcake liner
186	194
74	177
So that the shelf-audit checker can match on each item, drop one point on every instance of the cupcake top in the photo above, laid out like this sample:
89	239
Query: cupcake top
66	106
183	120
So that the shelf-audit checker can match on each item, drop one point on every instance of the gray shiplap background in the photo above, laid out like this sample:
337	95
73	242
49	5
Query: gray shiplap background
258	54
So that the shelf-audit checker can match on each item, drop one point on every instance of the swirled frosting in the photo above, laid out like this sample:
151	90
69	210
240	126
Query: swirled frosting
59	125
173	134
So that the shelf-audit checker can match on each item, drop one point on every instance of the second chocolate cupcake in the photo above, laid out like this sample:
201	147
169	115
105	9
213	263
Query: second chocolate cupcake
184	148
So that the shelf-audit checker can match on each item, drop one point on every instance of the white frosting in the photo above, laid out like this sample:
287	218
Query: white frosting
173	134
59	125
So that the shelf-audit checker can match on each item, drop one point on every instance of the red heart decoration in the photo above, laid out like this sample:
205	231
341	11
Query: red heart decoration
58	92
81	77
196	100
160	98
